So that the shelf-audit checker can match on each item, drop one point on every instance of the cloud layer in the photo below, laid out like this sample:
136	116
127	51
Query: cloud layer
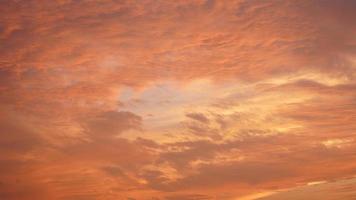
177	100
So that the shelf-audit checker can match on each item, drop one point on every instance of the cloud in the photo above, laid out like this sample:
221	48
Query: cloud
112	123
341	189
189	197
176	100
198	116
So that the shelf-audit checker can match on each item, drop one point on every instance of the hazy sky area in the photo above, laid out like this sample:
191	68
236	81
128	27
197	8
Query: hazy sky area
178	100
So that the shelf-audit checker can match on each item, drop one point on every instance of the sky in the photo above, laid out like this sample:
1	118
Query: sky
177	100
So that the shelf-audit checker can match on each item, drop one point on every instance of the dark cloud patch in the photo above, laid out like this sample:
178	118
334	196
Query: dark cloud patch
198	116
189	197
112	123
195	150
113	170
17	135
244	172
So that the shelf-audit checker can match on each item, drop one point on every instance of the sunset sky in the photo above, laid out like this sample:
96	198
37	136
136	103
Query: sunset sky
177	100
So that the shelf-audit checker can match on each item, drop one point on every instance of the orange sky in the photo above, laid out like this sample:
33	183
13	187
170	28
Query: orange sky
177	100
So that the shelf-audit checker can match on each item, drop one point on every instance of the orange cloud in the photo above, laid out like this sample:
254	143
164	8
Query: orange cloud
177	100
